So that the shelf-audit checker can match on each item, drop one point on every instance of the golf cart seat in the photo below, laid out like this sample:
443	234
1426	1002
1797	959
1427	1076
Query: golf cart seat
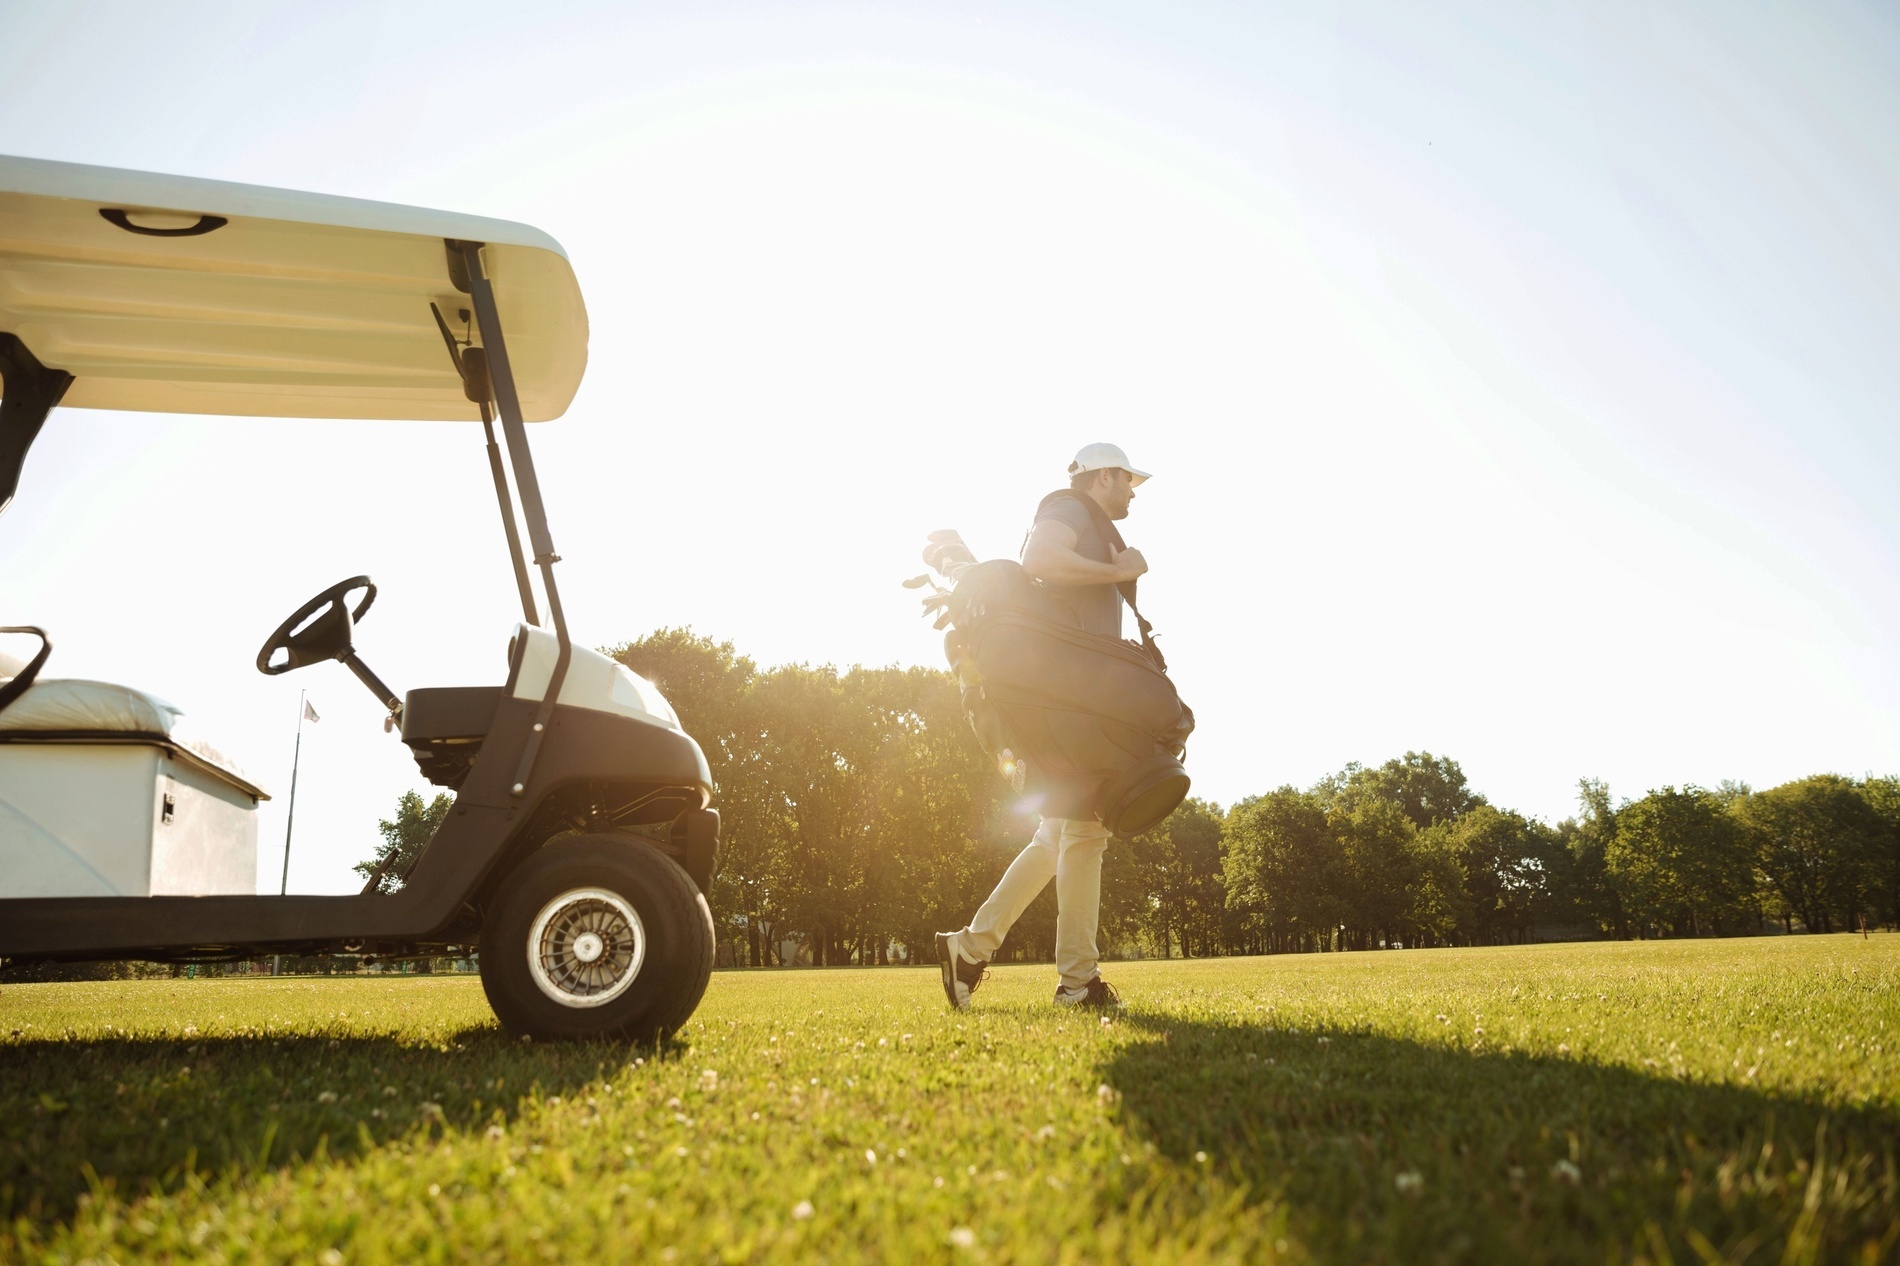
101	795
444	728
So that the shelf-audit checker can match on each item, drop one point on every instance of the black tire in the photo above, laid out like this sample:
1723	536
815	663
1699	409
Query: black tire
586	886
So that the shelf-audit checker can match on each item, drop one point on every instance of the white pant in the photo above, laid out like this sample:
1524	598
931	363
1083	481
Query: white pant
1070	852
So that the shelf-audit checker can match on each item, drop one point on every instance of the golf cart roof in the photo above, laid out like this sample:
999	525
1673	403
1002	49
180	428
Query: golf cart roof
174	295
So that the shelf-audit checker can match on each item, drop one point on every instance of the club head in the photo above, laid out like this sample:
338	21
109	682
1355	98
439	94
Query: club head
917	582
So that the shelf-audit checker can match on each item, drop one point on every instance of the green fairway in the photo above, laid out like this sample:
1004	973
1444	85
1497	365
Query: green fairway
1685	1101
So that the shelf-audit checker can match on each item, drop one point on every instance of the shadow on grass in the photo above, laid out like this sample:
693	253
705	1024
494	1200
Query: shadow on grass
131	1115
1389	1150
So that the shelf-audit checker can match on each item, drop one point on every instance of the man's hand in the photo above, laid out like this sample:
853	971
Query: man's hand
1050	556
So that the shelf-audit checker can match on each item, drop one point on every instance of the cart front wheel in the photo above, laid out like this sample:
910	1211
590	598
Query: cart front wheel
600	936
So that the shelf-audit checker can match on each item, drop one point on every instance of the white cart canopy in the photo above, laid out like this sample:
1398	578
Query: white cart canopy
175	295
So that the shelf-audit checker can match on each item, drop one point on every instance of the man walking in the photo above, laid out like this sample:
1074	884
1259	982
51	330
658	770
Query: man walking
1071	556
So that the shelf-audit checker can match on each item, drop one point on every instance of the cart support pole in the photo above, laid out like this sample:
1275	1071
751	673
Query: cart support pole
501	376
508	519
28	392
472	364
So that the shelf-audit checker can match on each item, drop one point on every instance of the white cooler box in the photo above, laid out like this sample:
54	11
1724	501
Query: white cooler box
99	797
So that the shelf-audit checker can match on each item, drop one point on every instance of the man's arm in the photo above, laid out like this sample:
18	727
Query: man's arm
1050	555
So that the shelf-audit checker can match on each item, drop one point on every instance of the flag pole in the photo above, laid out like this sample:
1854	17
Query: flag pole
290	816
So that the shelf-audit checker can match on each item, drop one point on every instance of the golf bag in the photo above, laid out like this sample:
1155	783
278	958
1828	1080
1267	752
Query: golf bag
1086	726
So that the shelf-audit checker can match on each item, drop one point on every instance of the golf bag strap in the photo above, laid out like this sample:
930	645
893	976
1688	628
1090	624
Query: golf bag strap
1105	527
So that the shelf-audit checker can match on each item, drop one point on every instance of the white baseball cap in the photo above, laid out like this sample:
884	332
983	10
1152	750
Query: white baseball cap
1105	457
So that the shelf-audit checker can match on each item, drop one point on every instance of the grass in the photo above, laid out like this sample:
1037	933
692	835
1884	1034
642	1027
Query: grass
1669	1102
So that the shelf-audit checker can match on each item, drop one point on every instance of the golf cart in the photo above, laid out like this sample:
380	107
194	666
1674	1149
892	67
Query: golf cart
580	845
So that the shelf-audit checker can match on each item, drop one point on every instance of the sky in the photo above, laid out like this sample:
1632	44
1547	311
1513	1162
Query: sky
1518	380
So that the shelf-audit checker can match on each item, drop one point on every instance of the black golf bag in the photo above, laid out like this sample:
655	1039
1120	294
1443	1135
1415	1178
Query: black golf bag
1085	726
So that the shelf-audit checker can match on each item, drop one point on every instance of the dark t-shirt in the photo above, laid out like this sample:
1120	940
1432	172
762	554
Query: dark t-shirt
1098	608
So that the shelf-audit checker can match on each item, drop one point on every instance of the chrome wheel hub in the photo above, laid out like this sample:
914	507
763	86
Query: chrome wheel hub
586	947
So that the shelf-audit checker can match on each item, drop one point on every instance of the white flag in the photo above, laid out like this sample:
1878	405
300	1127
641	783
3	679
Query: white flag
310	713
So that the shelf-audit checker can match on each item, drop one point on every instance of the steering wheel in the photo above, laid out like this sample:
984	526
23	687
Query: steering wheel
319	630
11	690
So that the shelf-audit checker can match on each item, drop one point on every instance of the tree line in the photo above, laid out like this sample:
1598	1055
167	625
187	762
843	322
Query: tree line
859	817
1407	854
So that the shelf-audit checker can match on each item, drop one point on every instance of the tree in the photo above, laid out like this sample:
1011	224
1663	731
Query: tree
1173	874
1375	873
1816	841
1681	863
1587	889
404	836
1282	865
1425	788
1507	865
1438	907
856	809
943	822
1883	797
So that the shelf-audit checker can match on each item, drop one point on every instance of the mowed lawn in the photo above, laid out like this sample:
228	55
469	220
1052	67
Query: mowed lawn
1679	1101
